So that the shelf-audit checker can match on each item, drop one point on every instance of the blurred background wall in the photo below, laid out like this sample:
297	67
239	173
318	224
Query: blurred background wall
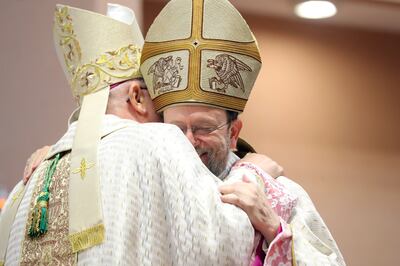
326	107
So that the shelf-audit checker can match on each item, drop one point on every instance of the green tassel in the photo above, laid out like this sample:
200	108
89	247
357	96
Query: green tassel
32	230
43	202
43	222
39	219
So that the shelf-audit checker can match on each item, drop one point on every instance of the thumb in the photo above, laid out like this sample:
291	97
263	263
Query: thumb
246	179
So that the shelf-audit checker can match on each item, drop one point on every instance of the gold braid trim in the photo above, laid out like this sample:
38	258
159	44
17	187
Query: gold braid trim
68	41
110	67
87	238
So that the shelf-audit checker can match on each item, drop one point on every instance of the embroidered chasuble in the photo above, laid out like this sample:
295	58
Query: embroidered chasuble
160	203
53	247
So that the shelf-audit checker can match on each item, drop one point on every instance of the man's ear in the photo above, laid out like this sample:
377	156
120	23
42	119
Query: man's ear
235	131
136	98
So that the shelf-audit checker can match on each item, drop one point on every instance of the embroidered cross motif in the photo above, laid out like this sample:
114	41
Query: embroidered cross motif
82	169
16	196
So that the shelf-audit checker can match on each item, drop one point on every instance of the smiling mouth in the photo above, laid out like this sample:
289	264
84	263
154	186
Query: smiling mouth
203	156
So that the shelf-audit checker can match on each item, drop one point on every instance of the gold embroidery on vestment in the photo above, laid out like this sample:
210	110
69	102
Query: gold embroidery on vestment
119	64
83	168
107	69
53	248
68	39
87	238
17	195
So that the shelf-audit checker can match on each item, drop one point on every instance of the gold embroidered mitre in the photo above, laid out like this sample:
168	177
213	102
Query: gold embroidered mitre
200	52
95	51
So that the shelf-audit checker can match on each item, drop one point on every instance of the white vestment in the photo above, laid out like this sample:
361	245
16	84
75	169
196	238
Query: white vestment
161	205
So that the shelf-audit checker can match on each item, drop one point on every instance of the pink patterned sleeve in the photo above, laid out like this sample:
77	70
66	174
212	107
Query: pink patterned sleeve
279	197
279	251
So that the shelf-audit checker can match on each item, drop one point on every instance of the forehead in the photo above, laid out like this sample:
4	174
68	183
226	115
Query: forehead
193	114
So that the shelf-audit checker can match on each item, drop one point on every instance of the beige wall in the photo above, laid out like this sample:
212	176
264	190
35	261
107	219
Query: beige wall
325	107
32	79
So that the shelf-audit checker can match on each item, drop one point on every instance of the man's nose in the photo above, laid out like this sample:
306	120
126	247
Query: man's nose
189	134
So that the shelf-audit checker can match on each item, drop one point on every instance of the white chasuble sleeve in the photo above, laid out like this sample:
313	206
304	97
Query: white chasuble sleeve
312	243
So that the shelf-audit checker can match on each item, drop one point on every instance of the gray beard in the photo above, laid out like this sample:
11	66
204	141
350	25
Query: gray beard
216	165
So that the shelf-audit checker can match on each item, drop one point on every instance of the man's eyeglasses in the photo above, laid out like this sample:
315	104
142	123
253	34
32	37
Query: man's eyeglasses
202	131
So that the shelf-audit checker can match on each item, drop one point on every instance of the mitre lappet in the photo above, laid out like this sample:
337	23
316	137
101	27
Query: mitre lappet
95	51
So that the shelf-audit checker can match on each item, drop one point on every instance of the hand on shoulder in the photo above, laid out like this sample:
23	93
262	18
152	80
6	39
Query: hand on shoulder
265	163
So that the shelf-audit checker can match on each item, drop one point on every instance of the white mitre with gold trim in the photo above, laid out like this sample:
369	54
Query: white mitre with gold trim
200	52
95	52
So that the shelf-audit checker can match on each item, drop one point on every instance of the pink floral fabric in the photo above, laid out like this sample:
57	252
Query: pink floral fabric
280	249
278	196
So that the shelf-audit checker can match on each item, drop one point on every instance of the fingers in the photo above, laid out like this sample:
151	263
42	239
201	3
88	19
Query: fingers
26	175
238	199
246	179
34	161
264	162
28	169
231	194
280	170
241	194
239	188
227	189
236	187
38	158
231	199
253	201
274	169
